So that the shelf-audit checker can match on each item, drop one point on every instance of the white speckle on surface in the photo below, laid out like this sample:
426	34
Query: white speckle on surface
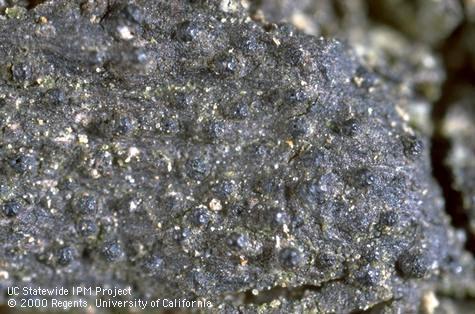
124	32
133	206
132	152
82	138
4	275
229	5
215	205
429	302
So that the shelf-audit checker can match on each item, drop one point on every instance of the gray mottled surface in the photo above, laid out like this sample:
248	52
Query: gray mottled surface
182	149
414	71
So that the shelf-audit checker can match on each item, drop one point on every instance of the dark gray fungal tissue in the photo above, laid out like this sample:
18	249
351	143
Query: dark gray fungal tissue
192	149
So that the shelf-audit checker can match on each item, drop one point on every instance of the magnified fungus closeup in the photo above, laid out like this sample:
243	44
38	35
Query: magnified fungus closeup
237	156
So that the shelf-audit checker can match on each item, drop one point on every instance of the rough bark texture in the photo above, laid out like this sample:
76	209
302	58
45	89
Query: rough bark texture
190	151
